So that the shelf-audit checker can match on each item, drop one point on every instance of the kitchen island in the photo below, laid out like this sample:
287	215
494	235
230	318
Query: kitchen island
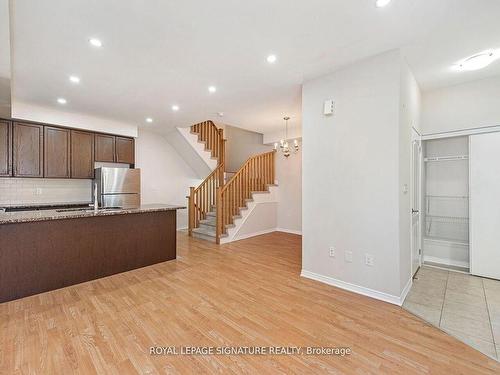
50	249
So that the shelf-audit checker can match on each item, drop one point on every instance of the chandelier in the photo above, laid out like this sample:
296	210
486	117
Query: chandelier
284	145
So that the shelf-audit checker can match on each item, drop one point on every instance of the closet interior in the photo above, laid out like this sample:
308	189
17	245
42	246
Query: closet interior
445	204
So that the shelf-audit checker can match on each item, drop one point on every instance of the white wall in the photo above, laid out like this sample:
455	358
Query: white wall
272	137
409	116
28	111
165	176
242	144
289	176
351	176
469	105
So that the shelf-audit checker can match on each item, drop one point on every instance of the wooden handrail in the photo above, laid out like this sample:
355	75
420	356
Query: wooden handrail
203	198
255	175
213	137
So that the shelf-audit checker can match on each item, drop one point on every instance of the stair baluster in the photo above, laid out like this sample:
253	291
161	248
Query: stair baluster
255	175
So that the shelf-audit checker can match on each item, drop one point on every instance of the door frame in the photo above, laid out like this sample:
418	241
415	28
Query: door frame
416	137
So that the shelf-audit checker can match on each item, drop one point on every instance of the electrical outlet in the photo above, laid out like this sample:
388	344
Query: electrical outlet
332	251
38	191
348	256
369	259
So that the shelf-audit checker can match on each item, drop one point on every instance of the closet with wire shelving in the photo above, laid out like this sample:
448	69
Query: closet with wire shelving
445	202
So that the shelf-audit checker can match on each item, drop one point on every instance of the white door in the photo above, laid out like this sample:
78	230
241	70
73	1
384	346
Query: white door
484	205
415	202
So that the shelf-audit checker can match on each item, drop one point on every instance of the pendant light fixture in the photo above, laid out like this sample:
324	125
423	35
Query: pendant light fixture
284	145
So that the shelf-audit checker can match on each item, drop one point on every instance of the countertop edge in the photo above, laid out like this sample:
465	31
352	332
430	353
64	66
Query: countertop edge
50	215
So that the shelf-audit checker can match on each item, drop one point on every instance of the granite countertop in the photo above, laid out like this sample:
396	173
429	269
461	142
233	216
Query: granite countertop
43	215
45	205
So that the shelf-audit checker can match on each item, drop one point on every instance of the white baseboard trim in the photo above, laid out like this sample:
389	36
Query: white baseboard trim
245	236
446	262
265	231
292	231
406	290
395	300
182	228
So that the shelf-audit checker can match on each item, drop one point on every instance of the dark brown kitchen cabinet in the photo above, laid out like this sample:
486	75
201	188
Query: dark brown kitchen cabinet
27	150
124	150
104	148
5	148
82	154
56	152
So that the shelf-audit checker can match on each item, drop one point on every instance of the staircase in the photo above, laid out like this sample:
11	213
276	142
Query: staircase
207	227
224	197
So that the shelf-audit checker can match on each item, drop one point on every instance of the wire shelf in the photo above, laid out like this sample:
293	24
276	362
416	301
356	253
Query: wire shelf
453	228
446	158
447	206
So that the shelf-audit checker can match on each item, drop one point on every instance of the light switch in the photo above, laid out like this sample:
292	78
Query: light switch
328	107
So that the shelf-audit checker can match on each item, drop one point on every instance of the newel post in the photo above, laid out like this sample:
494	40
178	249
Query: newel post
221	145
191	210
218	217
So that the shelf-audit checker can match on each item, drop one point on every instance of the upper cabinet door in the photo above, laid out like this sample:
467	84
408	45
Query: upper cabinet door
125	150
104	148
82	154
5	148
27	150
56	152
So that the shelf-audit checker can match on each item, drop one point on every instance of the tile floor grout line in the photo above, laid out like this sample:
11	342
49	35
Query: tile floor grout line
494	355
489	317
444	298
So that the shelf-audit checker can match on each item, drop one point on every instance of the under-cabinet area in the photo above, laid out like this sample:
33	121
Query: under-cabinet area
29	149
460	203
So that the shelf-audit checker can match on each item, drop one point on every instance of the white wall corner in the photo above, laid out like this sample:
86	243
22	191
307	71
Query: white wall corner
405	291
198	147
186	151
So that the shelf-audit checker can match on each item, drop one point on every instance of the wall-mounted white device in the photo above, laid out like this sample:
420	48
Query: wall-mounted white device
328	107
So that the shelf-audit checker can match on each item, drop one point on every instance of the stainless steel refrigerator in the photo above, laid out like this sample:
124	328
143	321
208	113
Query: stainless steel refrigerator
118	187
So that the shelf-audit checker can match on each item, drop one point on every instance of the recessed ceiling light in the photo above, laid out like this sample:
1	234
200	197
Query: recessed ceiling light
271	59
382	3
61	101
212	89
74	79
149	119
95	42
478	61
175	107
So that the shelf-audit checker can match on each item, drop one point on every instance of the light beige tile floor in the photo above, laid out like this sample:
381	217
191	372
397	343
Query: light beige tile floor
466	307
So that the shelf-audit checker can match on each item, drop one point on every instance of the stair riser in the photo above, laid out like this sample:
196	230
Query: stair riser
207	227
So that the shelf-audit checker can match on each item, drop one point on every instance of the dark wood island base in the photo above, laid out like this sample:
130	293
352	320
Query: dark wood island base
40	256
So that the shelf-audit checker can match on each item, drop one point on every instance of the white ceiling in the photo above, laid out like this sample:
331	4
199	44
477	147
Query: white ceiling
159	52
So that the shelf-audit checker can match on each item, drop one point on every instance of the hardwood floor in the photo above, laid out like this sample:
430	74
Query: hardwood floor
248	293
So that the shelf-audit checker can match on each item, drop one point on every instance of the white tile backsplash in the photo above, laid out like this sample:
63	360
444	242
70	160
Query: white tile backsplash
44	190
